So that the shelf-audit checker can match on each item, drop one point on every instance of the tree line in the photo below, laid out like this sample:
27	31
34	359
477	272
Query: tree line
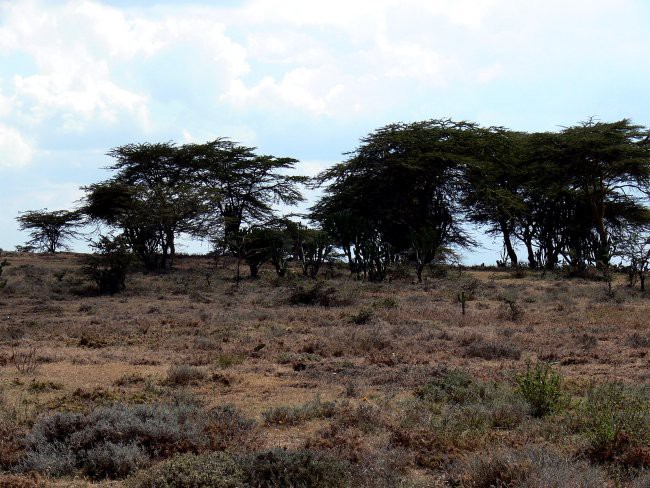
576	197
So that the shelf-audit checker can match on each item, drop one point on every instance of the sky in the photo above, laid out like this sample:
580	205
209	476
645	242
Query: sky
299	78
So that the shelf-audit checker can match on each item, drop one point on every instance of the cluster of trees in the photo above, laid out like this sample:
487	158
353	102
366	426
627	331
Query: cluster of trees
574	196
577	196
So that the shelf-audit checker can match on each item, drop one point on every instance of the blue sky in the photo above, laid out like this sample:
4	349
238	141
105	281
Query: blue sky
296	78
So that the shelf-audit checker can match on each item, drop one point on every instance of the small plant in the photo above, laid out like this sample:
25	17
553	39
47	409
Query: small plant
300	468
42	386
514	309
362	317
114	460
11	443
228	429
388	303
318	294
469	287
286	415
210	470
637	340
455	386
541	387
59	275
227	360
183	374
613	417
25	361
112	441
532	467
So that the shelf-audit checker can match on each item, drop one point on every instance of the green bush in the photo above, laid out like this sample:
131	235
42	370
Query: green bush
210	470
454	386
288	415
613	416
362	317
109	265
318	294
541	387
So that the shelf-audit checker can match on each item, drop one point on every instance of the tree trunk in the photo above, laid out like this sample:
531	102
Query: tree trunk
419	267
642	280
508	245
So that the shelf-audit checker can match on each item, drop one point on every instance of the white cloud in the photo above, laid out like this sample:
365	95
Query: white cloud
14	149
313	90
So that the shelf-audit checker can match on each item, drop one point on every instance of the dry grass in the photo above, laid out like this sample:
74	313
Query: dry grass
366	348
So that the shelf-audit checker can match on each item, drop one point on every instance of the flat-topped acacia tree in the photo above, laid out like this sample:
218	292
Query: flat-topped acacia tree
401	189
161	190
50	231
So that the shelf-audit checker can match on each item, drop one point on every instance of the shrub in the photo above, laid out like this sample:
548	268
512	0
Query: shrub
541	387
493	350
228	428
14	481
528	468
295	469
614	417
11	444
642	481
455	386
285	415
362	317
512	309
112	441
210	470
110	460
26	361
637	340
318	294
109	265
182	375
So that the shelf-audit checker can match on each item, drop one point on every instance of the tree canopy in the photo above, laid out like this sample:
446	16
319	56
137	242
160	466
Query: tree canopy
408	193
403	182
50	231
160	191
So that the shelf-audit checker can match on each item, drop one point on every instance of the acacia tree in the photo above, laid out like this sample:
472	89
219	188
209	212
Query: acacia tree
403	179
160	191
564	195
126	208
607	163
50	231
161	184
240	187
494	183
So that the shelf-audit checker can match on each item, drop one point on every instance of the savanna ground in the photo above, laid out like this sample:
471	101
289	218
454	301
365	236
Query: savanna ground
190	379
